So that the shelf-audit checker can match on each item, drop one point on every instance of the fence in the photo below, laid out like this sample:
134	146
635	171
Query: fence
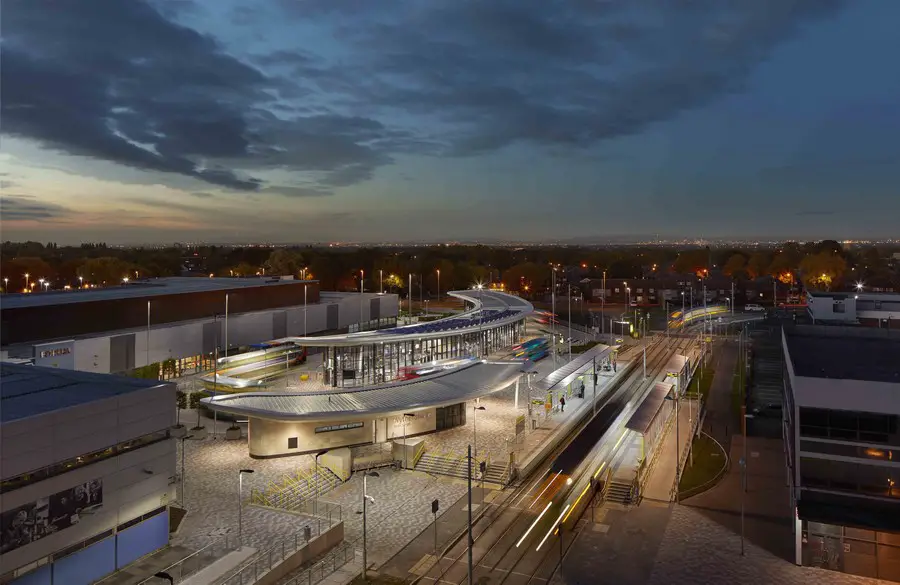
334	560
296	504
197	561
263	562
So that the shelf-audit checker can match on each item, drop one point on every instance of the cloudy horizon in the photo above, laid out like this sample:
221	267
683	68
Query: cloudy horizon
330	120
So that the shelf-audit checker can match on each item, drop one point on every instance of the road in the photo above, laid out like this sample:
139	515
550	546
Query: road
516	540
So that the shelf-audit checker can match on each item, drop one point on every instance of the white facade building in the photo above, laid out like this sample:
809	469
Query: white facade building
842	441
87	468
881	310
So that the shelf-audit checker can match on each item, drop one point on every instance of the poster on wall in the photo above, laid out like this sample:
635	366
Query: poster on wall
34	521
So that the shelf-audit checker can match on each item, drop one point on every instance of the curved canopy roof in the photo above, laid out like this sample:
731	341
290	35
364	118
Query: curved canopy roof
490	309
477	380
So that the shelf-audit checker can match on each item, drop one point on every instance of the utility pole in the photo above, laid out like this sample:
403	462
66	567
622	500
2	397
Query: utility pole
570	322
603	307
471	540
553	311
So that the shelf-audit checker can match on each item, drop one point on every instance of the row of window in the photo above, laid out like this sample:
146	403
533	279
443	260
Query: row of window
35	476
875	480
849	425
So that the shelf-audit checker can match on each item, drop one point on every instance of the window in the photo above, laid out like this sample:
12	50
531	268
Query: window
617	289
640	290
839	308
292	443
652	290
877	305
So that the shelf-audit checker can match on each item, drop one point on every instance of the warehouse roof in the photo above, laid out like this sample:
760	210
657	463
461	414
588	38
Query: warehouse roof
152	287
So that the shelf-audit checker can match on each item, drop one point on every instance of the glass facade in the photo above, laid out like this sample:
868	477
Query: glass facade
379	363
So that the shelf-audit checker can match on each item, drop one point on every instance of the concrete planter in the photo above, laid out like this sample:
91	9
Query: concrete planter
178	431
233	433
199	433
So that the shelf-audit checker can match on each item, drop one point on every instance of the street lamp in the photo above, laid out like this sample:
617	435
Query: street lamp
406	416
475	410
366	497
41	282
183	439
859	286
5	284
240	504
744	479
26	280
316	461
80	282
439	284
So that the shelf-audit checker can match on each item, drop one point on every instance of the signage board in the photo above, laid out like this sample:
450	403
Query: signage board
59	354
340	427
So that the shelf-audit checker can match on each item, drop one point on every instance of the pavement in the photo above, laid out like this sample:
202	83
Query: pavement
658	486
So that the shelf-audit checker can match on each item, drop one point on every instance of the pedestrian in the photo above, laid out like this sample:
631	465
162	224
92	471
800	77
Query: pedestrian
562	403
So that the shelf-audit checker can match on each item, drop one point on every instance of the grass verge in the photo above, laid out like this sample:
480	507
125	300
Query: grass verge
700	384
709	460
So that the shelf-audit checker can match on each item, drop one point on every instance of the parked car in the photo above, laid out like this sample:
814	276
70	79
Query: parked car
754	307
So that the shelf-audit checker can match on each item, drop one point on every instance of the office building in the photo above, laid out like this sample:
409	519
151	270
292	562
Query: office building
842	442
87	468
871	309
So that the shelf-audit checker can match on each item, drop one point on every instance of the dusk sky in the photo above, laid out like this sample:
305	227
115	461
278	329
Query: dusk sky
367	120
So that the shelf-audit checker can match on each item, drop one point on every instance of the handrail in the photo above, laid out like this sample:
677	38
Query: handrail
176	569
264	561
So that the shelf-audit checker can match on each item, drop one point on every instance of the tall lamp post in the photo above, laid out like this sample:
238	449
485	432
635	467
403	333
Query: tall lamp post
439	284
366	498
471	541
570	322
475	410
183	500
406	417
241	504
747	417
362	280
316	461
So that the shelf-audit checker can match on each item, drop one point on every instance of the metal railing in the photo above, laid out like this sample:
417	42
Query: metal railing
334	560
420	450
195	562
264	561
290	496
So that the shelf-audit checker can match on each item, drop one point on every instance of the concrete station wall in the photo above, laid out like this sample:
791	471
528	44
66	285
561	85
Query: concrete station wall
268	438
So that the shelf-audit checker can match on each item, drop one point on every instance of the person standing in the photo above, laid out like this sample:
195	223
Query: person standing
562	403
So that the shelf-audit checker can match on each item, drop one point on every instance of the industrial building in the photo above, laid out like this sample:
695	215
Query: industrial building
86	464
179	324
842	442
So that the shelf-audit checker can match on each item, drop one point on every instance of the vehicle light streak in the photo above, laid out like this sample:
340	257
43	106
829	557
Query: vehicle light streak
554	527
552	481
533	524
599	469
575	505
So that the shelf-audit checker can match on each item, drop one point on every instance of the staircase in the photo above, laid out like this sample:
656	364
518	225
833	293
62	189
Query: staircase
293	492
620	492
497	474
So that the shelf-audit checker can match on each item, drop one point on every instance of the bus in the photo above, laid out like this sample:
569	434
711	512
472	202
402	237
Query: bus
523	348
538	351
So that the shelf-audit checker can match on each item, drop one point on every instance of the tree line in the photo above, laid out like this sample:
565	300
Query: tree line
824	264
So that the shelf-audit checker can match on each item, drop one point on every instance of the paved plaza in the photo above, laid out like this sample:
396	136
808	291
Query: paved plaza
211	485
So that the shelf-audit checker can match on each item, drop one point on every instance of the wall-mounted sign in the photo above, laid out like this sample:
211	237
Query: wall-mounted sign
341	427
31	522
60	354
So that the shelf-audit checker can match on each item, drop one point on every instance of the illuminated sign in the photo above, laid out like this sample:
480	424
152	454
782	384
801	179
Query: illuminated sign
50	353
342	427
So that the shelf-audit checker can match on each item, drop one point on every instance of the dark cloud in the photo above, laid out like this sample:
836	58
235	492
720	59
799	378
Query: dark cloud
5	184
814	213
117	81
24	208
298	191
202	195
120	81
552	72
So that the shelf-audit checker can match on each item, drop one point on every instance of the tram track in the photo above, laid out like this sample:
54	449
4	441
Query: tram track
511	527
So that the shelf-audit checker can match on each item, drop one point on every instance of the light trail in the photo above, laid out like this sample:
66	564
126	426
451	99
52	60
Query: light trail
552	481
555	524
533	524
